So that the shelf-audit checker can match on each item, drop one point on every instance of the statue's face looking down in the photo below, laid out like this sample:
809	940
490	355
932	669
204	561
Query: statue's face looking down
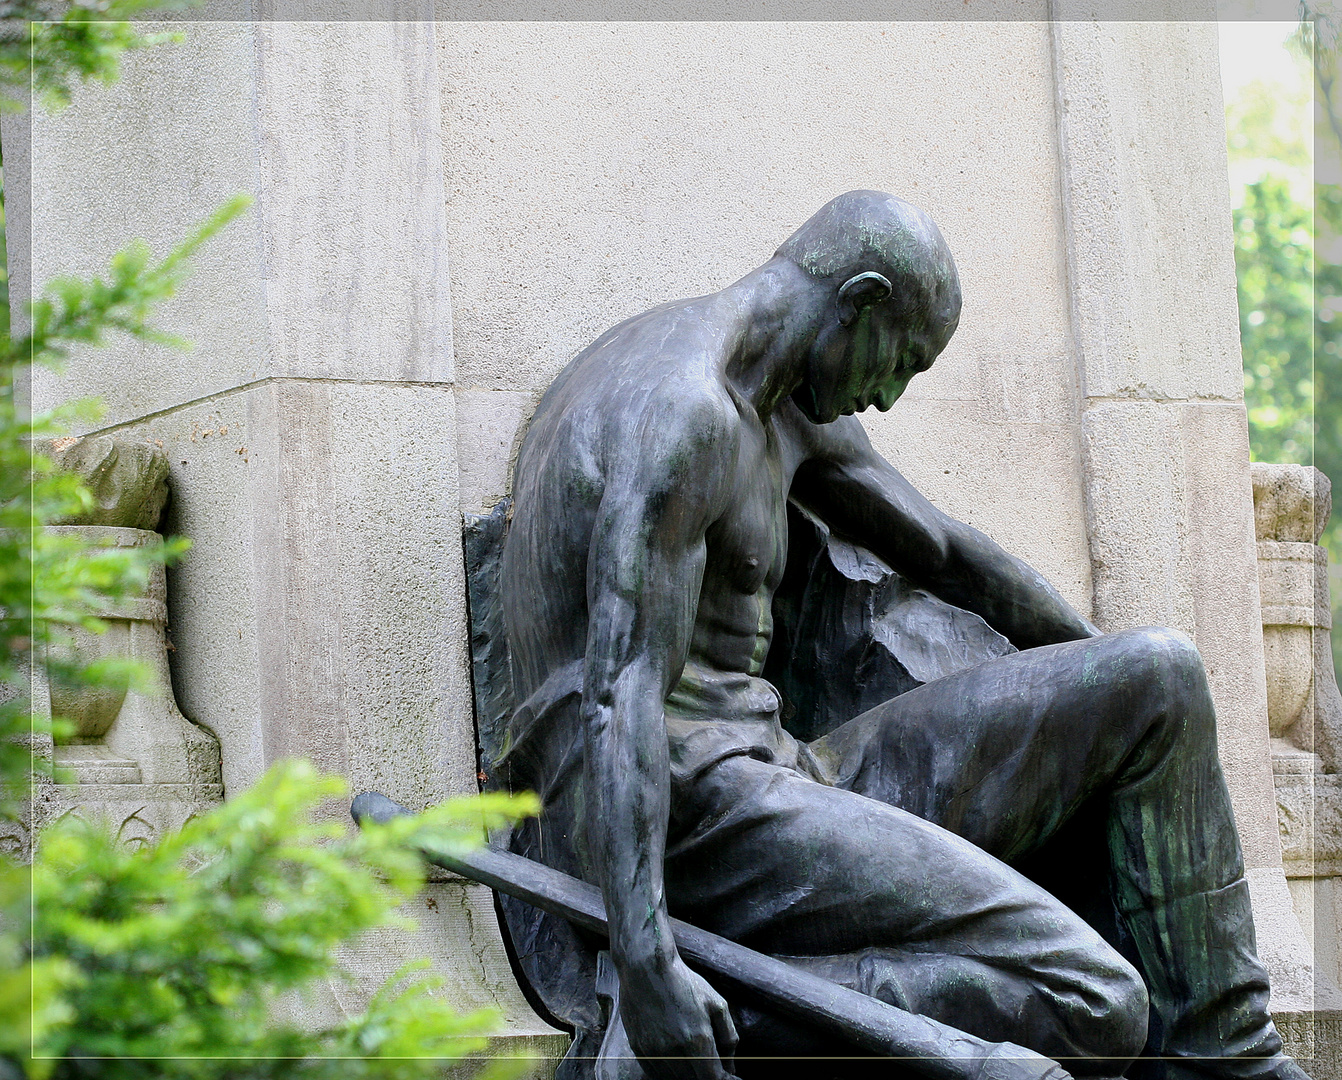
895	301
870	361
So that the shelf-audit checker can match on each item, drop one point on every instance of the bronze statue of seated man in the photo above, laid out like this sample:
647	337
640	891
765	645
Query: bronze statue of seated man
1036	849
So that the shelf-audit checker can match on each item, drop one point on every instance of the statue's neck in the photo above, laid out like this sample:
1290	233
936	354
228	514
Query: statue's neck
776	313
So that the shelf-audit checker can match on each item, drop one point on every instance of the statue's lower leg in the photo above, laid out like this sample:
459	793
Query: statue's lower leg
1036	758
1180	889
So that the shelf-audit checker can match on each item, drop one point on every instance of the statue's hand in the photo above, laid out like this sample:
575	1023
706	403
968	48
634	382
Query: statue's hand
677	1024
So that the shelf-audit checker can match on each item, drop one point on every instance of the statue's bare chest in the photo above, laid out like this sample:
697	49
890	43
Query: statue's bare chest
747	547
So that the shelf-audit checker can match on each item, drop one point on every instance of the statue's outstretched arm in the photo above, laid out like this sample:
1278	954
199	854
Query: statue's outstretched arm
860	495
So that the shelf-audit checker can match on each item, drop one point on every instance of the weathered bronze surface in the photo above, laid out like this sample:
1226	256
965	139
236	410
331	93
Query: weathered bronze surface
763	685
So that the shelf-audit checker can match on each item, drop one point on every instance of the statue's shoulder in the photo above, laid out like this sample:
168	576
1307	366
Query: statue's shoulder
639	396
686	426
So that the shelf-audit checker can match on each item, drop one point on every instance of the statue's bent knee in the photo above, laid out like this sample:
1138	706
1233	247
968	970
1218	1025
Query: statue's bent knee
1112	1024
1166	668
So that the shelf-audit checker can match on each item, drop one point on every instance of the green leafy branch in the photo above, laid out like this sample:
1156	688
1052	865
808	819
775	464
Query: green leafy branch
76	311
182	948
55	583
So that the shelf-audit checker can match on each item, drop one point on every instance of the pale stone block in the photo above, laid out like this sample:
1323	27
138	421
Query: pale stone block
1318	902
338	271
1291	503
490	426
1149	246
118	164
321	610
352	221
1019	482
1284	949
402	589
677	156
1309	807
1137	515
1223	576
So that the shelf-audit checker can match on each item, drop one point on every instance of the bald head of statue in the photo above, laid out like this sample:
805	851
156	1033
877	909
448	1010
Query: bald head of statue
871	232
896	295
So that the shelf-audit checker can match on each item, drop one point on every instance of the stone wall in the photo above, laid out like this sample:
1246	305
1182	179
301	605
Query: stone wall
446	212
310	432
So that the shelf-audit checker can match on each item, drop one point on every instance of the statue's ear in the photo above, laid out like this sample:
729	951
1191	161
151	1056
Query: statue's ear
861	291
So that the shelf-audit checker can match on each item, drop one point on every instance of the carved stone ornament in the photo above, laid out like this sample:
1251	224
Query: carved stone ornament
132	758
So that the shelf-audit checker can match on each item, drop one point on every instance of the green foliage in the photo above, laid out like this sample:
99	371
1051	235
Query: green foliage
1274	262
182	949
51	45
1267	131
1268	140
1319	37
1328	351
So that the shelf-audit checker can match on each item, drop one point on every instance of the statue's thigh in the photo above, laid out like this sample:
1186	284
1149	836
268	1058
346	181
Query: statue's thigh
1006	753
780	862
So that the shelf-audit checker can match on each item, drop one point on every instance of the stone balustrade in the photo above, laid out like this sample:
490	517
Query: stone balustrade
1292	504
127	754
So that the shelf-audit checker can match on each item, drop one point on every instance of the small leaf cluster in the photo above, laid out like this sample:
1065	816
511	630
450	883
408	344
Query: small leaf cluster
168	961
49	45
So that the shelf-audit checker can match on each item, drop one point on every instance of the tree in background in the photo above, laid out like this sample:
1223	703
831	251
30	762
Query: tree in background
1286	182
1269	145
169	961
1321	32
1274	259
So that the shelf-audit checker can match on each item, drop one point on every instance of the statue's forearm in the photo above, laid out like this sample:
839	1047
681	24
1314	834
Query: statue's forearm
1011	596
627	776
